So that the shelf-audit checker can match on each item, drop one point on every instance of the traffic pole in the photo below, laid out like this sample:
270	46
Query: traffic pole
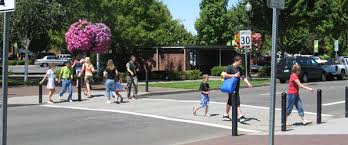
273	76
346	103
319	105
6	27
79	89
283	111
146	81
40	94
234	100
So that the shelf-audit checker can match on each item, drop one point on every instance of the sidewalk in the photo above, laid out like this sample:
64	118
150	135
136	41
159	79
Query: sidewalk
333	132
21	91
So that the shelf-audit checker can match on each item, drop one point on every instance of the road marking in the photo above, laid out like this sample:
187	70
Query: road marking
266	94
223	103
334	103
156	116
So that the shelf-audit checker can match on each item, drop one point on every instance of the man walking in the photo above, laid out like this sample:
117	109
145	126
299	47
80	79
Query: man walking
66	76
132	80
234	70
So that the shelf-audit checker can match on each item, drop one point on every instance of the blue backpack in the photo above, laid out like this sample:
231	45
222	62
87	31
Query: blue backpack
229	85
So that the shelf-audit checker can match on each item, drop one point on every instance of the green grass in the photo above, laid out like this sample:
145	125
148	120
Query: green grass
214	84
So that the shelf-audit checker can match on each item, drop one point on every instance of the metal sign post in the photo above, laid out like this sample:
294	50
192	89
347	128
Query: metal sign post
275	4
6	6
4	78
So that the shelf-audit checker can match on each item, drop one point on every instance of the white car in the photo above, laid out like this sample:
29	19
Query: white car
50	60
337	67
64	56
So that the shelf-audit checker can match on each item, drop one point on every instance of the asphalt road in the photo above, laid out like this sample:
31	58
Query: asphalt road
36	125
96	124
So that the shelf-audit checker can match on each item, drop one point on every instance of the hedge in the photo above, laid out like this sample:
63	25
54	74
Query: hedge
217	70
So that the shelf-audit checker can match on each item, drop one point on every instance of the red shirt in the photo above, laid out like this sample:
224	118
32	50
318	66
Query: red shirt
293	87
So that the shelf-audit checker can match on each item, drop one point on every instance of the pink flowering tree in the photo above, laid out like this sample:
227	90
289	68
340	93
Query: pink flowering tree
83	36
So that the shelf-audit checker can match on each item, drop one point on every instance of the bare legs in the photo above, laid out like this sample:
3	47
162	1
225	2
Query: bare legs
50	94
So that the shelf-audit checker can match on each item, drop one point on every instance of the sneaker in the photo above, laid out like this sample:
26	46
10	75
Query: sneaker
108	102
50	102
226	117
71	101
305	122
241	119
61	98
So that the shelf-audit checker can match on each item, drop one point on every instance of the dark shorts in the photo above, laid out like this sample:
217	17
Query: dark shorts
229	101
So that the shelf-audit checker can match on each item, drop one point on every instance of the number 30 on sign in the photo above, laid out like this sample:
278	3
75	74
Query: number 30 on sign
245	38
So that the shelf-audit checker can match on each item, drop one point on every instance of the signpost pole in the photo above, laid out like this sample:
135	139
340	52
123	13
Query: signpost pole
5	78
273	76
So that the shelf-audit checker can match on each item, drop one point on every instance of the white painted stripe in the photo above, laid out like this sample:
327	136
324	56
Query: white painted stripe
224	103
266	94
156	116
334	103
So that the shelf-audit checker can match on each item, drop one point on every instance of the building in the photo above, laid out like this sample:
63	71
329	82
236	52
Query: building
187	57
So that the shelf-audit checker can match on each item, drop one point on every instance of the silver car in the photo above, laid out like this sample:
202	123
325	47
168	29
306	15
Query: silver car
50	60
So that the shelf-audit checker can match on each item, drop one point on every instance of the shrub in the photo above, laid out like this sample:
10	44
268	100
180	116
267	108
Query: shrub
21	62
264	71
193	74
175	75
325	57
217	70
12	62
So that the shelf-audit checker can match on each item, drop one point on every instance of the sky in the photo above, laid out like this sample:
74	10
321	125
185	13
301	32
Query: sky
187	11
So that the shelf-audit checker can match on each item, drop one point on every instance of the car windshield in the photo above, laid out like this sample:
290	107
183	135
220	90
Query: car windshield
333	61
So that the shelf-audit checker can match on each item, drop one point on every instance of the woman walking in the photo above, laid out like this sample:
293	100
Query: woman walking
110	74
293	93
78	67
88	71
51	83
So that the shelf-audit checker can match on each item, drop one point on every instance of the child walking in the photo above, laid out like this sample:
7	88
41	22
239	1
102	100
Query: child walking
66	76
51	86
293	93
118	88
204	88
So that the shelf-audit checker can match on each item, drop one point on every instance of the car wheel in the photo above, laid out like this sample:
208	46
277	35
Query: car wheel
282	81
45	65
342	76
323	77
305	78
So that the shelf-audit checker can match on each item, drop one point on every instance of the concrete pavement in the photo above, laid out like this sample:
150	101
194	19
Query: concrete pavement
168	119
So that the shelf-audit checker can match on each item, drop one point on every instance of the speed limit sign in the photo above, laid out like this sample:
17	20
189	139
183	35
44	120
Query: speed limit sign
245	38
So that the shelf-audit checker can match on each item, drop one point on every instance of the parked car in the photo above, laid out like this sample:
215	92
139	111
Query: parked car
316	58
64	56
50	59
337	67
310	69
43	54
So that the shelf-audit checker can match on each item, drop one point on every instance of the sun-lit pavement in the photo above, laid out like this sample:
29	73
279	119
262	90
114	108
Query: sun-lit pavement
163	119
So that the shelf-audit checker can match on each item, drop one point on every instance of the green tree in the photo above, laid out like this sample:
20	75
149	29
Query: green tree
32	19
212	25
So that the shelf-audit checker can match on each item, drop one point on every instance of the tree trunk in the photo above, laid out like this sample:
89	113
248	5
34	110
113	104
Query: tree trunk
26	45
